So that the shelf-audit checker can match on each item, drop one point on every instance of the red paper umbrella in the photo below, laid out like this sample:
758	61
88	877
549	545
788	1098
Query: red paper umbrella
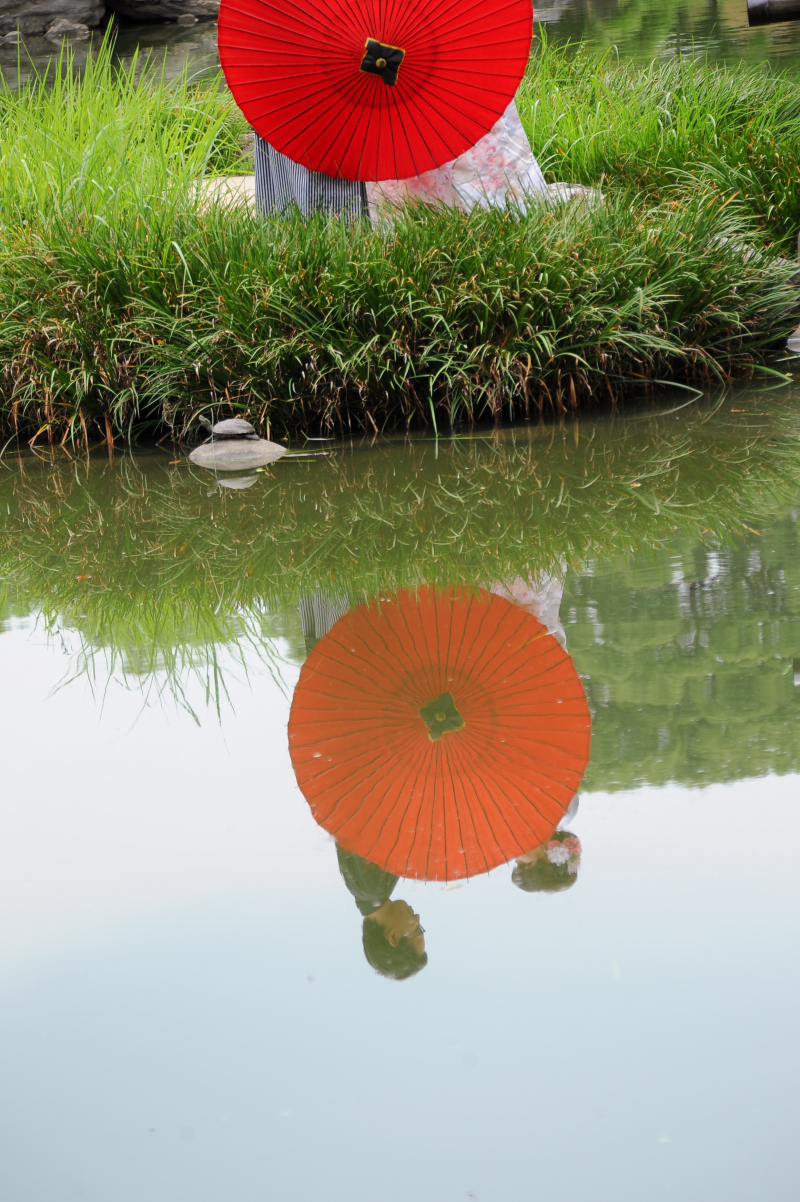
440	733
373	89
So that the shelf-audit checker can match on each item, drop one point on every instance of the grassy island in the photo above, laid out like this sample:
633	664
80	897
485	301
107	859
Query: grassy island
128	304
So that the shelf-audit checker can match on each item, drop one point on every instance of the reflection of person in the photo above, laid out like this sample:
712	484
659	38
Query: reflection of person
394	941
539	595
320	611
551	867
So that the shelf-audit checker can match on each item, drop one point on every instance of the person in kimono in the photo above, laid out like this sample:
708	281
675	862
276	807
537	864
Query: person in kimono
498	169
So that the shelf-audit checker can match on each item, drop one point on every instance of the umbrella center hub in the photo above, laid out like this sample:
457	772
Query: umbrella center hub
383	61
441	716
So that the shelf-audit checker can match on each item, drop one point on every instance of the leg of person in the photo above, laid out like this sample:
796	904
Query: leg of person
282	184
344	197
318	613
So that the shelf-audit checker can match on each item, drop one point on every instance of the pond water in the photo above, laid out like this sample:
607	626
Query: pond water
192	764
638	30
716	30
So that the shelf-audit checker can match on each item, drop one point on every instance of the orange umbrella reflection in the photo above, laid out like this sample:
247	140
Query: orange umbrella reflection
439	733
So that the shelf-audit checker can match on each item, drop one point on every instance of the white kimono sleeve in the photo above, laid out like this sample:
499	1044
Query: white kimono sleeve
498	169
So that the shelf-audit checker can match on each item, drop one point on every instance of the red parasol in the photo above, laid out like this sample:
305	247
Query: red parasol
374	89
439	733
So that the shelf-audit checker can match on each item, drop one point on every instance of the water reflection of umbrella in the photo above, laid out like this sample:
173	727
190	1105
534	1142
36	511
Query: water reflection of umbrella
374	89
439	733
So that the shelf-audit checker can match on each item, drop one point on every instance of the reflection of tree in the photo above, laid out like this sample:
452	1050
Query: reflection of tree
688	669
155	575
645	29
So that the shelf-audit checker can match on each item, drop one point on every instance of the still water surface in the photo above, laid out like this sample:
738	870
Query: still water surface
187	1007
636	30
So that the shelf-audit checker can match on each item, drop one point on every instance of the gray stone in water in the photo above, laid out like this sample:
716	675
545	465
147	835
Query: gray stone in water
61	29
236	454
35	17
165	10
32	17
234	427
237	481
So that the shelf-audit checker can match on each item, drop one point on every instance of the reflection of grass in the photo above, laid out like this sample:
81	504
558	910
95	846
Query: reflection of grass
160	658
166	583
123	308
140	557
645	29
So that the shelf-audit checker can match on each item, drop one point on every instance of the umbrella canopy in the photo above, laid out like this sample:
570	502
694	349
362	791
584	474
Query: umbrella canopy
439	733
373	89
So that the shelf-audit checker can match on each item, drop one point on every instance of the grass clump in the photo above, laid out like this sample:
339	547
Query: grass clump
127	305
443	318
672	125
101	142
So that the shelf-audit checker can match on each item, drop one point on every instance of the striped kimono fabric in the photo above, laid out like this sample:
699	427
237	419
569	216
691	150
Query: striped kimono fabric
282	184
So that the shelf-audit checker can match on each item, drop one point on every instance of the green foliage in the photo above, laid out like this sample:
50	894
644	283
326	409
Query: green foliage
312	325
732	132
96	145
128	304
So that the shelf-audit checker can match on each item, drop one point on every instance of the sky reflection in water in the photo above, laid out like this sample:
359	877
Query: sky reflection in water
187	961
